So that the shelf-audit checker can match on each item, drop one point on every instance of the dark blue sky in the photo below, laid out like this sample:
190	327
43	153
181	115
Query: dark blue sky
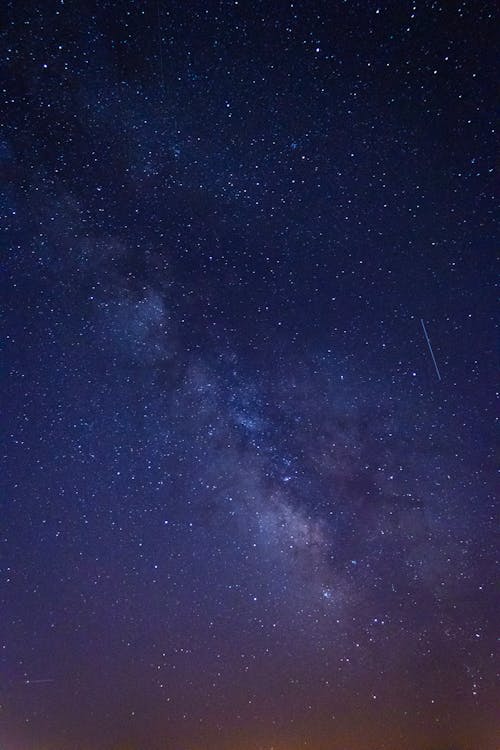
239	508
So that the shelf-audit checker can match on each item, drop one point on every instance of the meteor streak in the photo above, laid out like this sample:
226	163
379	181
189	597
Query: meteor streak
430	349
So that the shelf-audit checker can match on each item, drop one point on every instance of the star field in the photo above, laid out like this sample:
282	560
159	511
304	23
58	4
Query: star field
248	397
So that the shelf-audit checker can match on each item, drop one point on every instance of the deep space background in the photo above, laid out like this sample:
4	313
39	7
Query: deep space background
241	508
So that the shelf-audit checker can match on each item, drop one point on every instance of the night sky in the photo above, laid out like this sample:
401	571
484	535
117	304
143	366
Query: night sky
249	369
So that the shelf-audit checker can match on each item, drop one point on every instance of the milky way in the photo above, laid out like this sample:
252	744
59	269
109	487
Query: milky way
247	496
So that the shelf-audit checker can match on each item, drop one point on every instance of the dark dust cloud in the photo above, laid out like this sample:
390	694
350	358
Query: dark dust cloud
243	507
